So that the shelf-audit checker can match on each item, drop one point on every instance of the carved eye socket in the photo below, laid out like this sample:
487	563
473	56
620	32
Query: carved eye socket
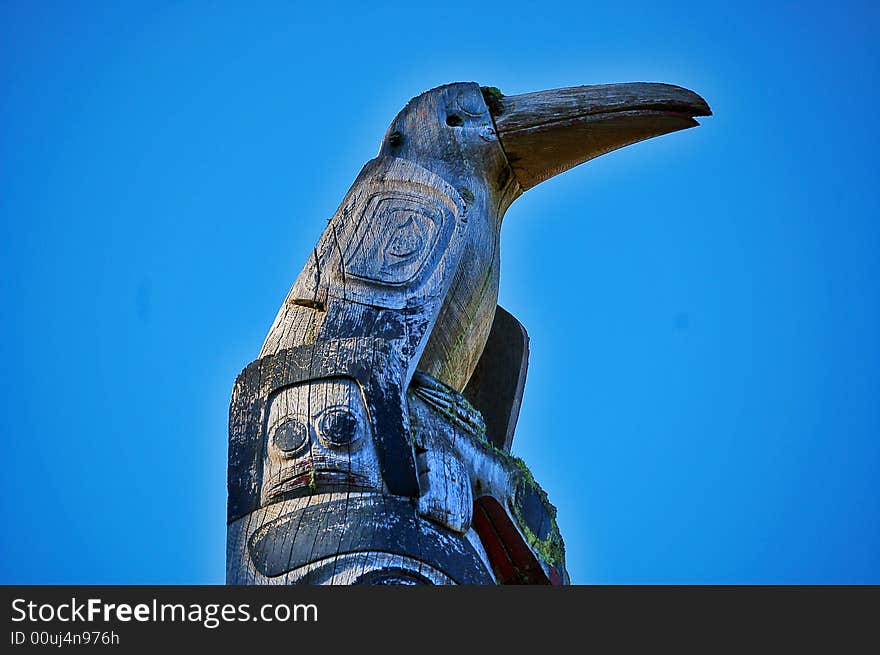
454	120
338	426
291	435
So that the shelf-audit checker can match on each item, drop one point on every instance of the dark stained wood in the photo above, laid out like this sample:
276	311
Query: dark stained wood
497	384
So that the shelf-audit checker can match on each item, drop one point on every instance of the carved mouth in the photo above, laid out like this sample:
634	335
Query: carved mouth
314	478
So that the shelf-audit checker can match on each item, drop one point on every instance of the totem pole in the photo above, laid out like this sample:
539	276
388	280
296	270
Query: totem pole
370	441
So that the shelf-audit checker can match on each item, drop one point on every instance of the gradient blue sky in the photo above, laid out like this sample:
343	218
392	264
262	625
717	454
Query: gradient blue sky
704	308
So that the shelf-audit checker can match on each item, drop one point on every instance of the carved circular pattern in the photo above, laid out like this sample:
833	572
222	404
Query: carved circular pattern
471	103
291	436
338	426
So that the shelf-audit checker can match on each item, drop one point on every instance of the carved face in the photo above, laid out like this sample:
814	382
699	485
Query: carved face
318	436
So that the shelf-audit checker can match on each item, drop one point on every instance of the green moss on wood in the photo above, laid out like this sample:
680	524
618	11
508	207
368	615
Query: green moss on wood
492	96
552	548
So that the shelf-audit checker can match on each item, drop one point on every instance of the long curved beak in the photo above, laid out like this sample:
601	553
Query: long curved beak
548	132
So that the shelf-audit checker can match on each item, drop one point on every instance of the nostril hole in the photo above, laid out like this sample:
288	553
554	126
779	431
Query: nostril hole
454	120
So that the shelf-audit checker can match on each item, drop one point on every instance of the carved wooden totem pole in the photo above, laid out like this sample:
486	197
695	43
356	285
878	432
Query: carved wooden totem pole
370	441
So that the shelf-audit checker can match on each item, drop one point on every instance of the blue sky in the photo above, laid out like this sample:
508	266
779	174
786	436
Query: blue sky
704	308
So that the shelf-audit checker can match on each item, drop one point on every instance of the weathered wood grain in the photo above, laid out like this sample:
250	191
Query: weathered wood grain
354	456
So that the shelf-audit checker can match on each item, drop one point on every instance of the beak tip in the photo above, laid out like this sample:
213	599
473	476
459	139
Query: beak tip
546	132
690	101
703	108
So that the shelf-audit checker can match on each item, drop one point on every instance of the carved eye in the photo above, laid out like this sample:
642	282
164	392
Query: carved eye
454	120
338	426
291	435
